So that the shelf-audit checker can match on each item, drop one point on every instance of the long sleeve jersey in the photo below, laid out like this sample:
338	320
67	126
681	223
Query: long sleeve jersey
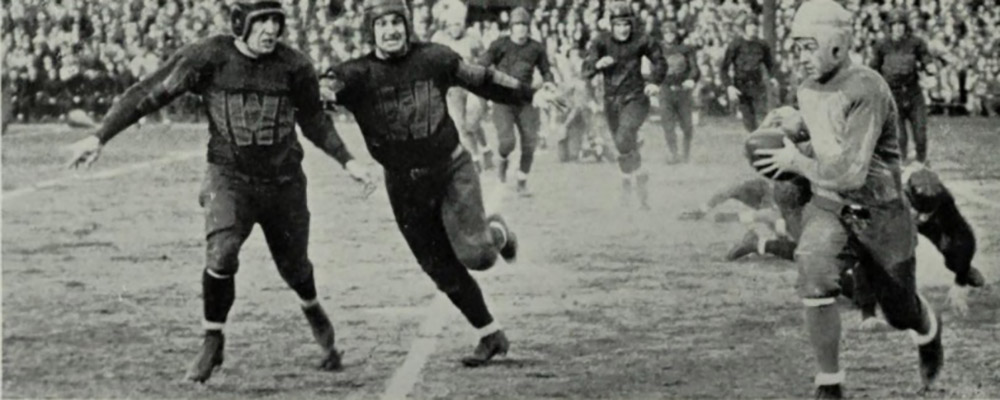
851	119
900	62
518	60
399	103
253	105
745	58
681	64
623	79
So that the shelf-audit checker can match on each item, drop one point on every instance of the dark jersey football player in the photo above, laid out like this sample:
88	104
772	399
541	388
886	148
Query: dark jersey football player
519	56
748	57
398	94
618	57
681	74
255	90
900	58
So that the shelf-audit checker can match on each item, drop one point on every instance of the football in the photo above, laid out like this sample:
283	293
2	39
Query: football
766	138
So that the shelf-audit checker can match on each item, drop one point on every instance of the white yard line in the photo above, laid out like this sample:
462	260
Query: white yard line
105	174
406	376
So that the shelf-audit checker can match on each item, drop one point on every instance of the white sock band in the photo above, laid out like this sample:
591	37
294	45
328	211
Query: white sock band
212	326
501	228
826	378
216	275
919	339
761	245
781	227
487	330
310	303
522	176
819	302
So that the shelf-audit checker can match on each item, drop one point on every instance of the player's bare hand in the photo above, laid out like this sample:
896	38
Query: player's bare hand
361	175
958	299
688	84
651	90
778	160
85	152
733	92
604	62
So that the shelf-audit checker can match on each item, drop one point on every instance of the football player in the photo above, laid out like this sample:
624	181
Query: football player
398	95
255	90
618	57
858	210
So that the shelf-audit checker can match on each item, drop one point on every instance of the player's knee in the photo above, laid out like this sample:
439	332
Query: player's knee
295	272
818	283
223	255
478	258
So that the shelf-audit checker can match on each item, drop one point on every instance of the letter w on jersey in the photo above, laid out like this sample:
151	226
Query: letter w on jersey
252	118
410	111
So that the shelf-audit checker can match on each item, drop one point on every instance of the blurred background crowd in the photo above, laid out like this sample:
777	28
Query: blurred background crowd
60	55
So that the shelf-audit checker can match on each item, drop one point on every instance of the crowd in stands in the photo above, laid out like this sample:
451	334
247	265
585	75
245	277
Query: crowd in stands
64	54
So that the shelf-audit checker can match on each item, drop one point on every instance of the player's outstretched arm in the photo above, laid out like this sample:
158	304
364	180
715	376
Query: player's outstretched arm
318	127
497	86
181	73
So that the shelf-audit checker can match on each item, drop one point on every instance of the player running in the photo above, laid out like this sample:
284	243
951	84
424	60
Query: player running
858	210
398	94
255	90
618	57
518	55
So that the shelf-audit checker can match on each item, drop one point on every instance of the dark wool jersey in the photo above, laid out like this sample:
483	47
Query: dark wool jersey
900	61
253	105
745	56
623	79
681	64
399	103
518	60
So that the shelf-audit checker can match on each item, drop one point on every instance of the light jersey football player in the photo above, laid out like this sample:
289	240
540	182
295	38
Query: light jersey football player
255	90
858	209
618	57
398	94
518	55
466	110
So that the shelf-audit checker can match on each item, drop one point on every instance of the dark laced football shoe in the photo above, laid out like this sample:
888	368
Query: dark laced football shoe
325	336
490	346
209	359
746	246
829	392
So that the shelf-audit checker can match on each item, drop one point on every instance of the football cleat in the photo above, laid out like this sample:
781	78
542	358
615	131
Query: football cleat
829	392
325	336
490	346
209	359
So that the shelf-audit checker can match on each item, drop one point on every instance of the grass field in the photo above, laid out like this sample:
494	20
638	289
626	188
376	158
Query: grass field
101	285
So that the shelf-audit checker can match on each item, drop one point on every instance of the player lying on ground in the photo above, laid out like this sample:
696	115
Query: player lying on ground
398	97
858	211
776	223
255	90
